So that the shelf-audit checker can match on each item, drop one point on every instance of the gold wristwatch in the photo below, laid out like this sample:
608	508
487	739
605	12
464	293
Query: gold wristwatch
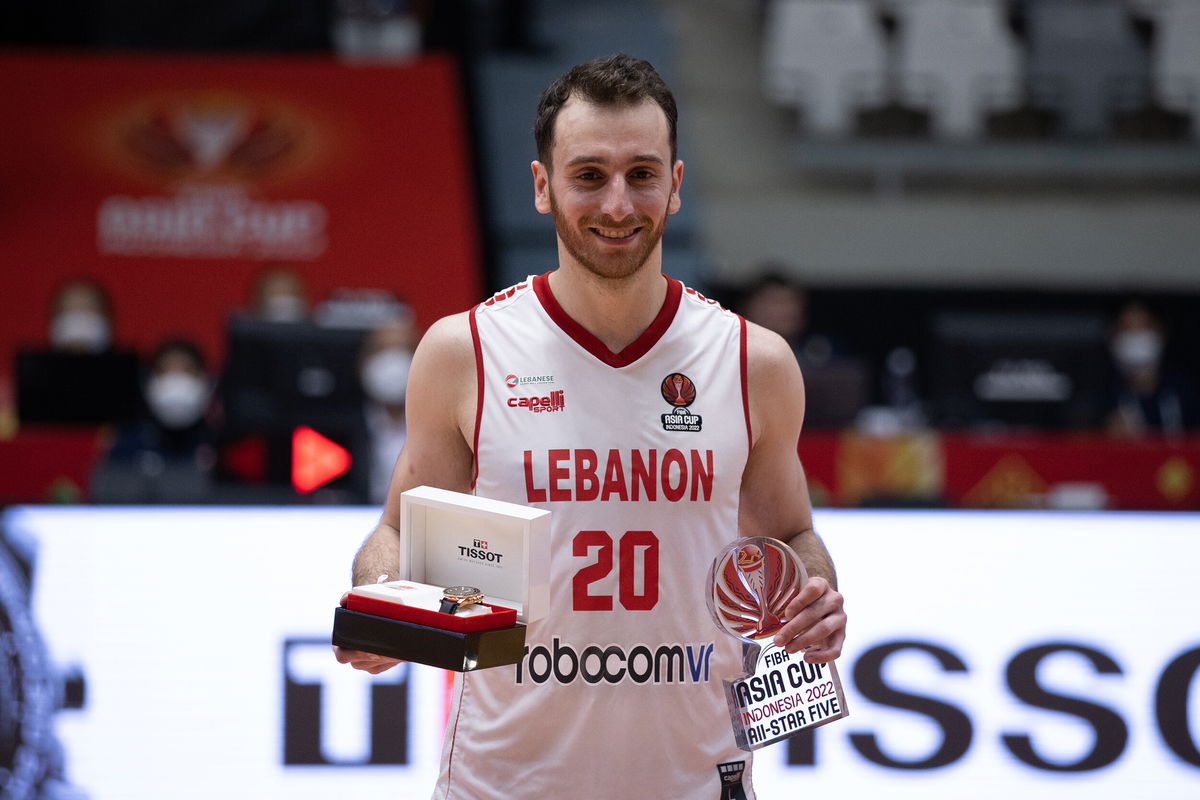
456	597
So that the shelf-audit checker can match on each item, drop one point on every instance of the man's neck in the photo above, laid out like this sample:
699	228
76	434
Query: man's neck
616	312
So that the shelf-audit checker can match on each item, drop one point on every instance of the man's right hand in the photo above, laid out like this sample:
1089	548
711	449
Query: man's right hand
368	662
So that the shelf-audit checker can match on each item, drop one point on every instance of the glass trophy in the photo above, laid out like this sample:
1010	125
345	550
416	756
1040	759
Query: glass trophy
751	582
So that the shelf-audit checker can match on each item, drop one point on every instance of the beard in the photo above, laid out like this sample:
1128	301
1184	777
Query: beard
580	242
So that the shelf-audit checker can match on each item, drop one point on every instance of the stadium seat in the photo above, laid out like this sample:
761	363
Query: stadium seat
1176	65
958	58
1086	50
826	58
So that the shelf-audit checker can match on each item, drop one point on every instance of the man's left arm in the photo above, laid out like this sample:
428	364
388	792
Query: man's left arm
775	500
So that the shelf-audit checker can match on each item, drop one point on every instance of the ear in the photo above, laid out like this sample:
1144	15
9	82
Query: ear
676	181
541	187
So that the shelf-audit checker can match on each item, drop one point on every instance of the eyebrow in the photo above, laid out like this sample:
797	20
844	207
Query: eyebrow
641	158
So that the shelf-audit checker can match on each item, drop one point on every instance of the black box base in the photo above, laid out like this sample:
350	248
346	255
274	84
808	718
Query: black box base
461	652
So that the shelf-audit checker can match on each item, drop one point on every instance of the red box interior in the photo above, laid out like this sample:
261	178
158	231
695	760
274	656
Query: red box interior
501	617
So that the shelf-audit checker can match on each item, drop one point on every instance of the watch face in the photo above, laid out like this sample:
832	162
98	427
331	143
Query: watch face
460	592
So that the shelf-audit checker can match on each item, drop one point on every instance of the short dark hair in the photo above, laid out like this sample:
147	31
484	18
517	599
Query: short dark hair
609	81
178	344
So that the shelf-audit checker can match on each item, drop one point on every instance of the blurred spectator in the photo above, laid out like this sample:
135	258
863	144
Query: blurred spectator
280	294
81	317
383	368
78	377
780	305
837	385
1149	395
166	455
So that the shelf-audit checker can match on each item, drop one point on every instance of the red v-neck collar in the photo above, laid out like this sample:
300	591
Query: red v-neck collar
585	339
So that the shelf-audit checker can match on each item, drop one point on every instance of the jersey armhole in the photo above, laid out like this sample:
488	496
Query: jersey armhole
745	371
478	346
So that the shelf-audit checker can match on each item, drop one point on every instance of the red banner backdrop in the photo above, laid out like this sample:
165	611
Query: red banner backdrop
961	470
173	180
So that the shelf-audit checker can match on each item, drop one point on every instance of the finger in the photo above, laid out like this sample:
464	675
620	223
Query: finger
822	623
826	635
812	591
378	665
827	651
822	656
372	663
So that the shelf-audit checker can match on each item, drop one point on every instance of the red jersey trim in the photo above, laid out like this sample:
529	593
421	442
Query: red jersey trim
462	688
745	371
585	339
478	394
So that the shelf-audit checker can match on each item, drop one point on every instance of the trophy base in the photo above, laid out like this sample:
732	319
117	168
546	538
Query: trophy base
460	651
782	696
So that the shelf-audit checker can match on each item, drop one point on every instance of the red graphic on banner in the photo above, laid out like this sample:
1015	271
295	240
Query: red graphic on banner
175	180
211	135
315	459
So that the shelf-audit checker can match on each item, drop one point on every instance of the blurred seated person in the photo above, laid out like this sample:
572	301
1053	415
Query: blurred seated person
168	453
78	377
81	317
1149	395
780	305
383	369
280	294
836	384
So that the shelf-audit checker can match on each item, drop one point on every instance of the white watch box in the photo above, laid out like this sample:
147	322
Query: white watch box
455	539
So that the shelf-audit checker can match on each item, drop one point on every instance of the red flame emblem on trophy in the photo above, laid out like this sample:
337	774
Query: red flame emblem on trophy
752	582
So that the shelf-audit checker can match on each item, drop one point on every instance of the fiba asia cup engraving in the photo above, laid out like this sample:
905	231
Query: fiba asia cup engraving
750	584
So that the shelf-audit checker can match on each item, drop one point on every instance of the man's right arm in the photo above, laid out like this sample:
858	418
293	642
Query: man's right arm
440	419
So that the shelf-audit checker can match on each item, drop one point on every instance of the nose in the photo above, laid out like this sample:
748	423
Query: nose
616	202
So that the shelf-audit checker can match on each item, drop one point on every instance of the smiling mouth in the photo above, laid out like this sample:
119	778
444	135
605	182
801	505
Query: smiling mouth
620	235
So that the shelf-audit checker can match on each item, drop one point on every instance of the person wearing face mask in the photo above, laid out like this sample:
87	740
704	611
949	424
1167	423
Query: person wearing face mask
168	454
81	318
79	375
383	370
1148	396
279	295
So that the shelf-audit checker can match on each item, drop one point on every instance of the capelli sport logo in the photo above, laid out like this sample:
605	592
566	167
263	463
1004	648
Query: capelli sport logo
555	401
680	392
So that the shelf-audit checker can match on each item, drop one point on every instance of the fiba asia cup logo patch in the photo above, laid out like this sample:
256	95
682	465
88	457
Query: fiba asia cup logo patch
679	392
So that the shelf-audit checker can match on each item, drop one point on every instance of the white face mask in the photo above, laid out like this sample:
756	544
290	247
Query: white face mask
177	399
79	330
385	376
1137	349
284	308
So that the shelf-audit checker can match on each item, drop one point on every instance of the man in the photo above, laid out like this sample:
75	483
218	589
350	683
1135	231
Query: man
671	430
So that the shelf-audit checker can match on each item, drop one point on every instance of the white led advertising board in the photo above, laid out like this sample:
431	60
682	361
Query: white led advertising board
992	654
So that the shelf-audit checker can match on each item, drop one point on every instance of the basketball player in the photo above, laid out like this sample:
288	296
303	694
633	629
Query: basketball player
657	427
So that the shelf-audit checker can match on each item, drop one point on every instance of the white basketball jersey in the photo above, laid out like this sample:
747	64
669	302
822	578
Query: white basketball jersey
639	457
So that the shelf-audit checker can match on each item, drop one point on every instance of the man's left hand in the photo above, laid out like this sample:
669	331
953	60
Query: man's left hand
816	623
